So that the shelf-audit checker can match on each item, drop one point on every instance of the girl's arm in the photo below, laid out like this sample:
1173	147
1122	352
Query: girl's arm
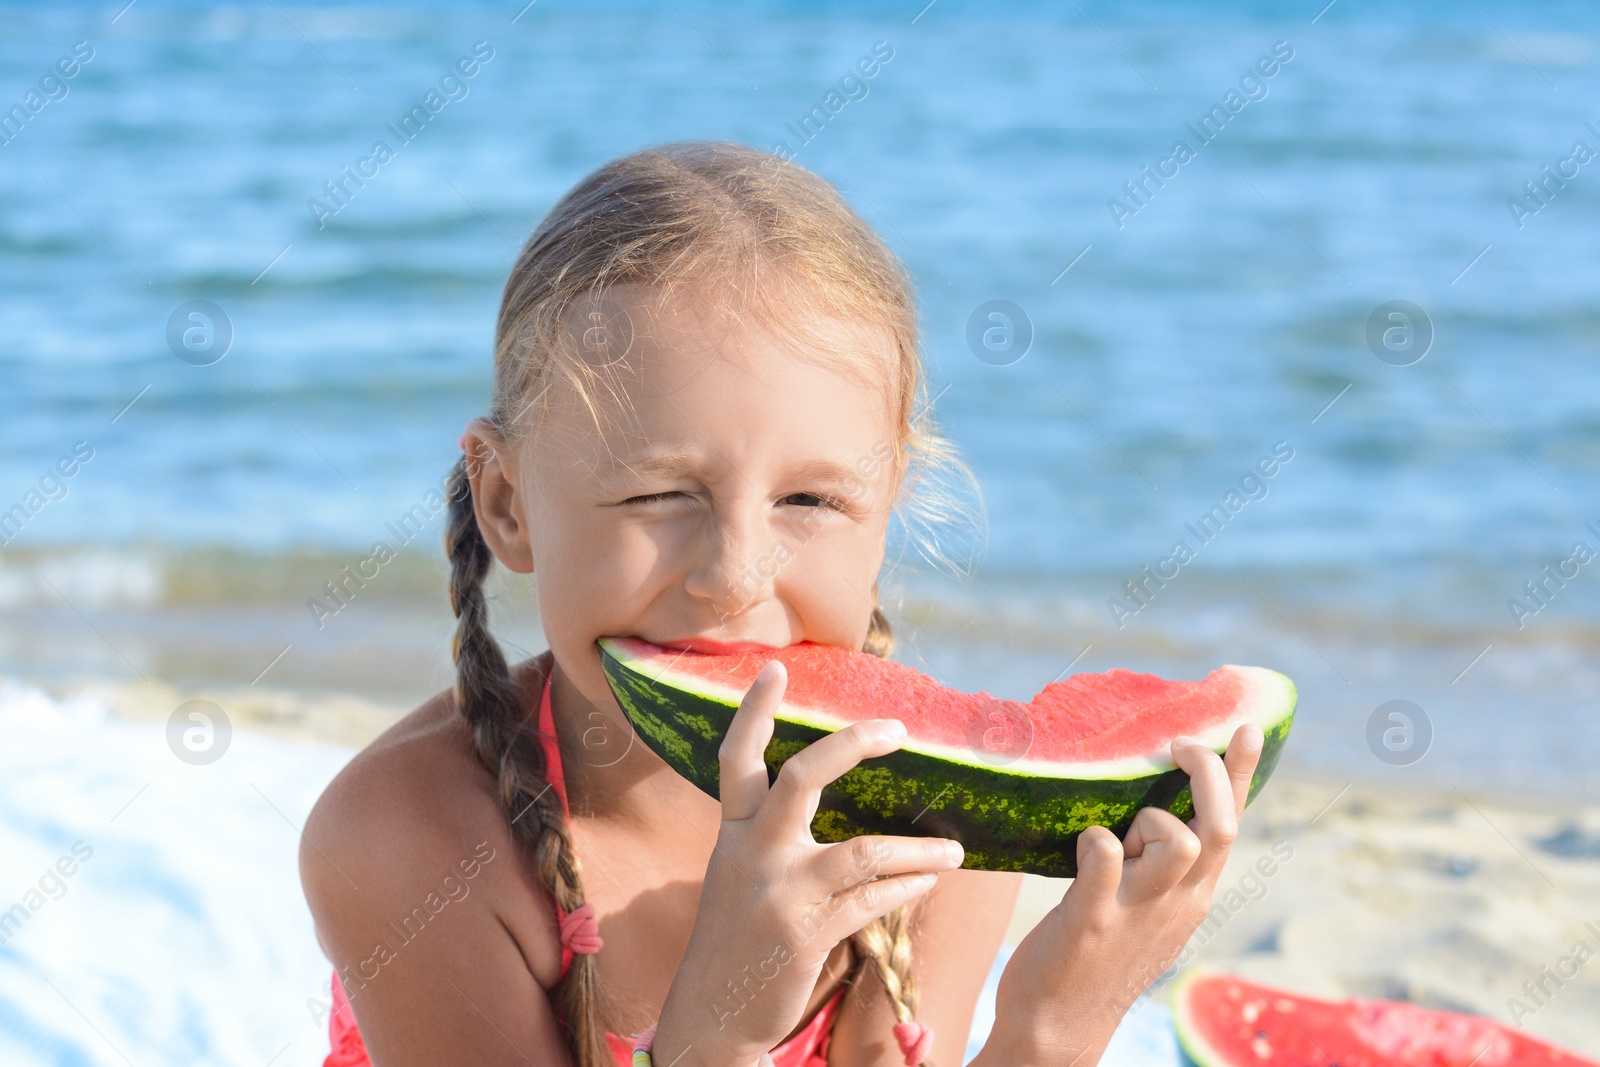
406	869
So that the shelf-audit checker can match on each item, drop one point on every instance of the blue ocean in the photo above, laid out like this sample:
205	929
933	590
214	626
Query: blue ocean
1175	316
1269	331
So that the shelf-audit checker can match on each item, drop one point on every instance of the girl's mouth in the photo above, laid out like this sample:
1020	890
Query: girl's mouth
715	648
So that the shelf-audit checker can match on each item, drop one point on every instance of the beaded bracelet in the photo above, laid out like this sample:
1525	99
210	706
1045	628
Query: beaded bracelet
641	1047
642	1043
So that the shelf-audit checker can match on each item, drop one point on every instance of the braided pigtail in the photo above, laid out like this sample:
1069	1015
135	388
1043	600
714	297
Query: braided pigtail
509	747
880	635
883	946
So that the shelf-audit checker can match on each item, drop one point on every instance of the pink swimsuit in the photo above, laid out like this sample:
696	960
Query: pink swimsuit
808	1048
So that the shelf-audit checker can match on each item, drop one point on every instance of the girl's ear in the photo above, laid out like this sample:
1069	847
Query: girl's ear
497	498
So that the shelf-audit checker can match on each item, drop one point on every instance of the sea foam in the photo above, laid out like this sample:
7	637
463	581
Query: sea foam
183	938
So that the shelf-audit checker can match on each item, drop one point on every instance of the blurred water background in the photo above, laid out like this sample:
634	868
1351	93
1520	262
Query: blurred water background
1202	324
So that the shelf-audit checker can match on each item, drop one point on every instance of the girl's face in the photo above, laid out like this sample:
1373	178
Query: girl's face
740	493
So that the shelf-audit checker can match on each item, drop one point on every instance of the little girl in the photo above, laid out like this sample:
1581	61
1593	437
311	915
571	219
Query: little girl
706	406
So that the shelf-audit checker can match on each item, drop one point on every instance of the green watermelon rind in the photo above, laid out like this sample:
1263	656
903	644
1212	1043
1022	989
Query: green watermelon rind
1006	821
1193	1050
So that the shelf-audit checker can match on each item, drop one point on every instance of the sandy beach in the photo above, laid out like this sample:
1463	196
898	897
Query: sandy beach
1447	899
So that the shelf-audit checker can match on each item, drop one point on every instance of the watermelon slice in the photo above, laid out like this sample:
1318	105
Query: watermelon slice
1015	782
1226	1021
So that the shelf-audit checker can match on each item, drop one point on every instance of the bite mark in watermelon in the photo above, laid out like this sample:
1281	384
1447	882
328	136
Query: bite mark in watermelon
1015	782
1223	1020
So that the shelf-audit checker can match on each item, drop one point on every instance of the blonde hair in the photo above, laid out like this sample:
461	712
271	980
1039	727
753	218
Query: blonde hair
771	234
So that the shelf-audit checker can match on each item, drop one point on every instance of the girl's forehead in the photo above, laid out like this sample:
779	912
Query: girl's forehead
692	320
635	348
698	389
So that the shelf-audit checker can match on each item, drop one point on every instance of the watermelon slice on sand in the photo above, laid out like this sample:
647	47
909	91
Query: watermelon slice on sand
1015	782
1226	1021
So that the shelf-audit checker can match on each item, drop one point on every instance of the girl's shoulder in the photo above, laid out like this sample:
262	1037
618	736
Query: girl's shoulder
423	772
416	813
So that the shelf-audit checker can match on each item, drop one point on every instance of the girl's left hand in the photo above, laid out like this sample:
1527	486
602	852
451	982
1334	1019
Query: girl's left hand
1125	918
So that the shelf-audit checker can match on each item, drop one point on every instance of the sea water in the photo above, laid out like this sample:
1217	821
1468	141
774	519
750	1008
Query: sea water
1170	337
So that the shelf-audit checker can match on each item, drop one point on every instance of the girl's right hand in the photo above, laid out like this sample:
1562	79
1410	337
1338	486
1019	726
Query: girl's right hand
1126	917
775	902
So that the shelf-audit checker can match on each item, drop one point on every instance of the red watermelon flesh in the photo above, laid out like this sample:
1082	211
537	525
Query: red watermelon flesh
1106	718
1223	1020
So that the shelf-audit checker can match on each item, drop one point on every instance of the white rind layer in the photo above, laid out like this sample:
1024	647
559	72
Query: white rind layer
1267	698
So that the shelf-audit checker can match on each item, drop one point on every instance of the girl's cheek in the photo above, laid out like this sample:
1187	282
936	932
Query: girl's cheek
594	579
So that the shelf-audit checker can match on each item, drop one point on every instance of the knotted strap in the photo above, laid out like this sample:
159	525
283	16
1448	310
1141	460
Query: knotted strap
580	932
916	1041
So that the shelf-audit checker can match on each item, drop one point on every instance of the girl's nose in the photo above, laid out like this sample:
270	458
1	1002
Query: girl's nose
735	572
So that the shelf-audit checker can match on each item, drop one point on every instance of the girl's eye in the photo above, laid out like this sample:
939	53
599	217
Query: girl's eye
816	500
821	501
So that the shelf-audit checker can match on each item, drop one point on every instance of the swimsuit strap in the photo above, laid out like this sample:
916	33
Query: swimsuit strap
558	782
552	749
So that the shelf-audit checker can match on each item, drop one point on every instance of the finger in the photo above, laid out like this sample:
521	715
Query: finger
1100	869
798	788
846	912
1141	832
741	760
1216	820
847	863
1099	872
1167	850
1244	755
